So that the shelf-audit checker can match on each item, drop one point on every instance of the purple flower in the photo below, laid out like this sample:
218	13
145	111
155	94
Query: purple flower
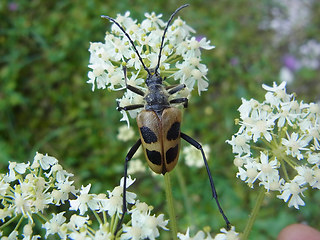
13	6
234	61
199	37
291	62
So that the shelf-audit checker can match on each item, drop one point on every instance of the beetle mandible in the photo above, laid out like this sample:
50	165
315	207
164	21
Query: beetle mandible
159	122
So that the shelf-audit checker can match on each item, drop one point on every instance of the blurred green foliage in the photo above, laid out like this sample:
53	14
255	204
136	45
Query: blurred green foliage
46	105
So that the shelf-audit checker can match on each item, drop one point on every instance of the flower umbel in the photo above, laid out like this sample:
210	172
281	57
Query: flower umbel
180	58
29	192
277	145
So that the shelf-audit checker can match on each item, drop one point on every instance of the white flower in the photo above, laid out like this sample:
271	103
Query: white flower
84	201
113	204
5	213
144	225
295	144
22	204
249	172
247	107
193	157
286	115
262	125
13	168
61	194
125	133
306	175
240	144
276	94
136	165
41	201
227	234
286	75
45	161
61	174
27	233
54	225
291	191
274	183
267	168
313	158
200	235
152	20
149	225
103	232
83	235
131	232
77	222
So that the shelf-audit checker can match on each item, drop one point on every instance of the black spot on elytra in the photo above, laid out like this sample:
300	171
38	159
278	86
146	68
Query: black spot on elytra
148	135
174	131
171	154
154	157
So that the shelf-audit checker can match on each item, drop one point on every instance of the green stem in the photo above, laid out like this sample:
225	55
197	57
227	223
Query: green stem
253	215
172	215
3	226
284	170
113	223
97	217
183	187
19	223
42	217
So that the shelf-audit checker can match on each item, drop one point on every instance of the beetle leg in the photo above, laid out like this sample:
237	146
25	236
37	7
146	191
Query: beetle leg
177	88
130	87
135	90
130	154
213	189
129	107
180	100
170	86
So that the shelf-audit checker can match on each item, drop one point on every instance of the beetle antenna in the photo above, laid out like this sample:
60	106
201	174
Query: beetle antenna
130	40
165	31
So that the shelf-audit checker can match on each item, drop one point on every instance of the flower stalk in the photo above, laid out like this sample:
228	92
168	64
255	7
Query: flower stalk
253	215
172	214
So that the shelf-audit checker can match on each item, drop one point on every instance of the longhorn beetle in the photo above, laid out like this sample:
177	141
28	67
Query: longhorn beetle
159	122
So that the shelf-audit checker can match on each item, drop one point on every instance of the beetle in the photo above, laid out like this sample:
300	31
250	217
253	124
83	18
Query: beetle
159	122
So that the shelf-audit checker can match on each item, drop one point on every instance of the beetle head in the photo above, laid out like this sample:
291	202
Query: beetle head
153	78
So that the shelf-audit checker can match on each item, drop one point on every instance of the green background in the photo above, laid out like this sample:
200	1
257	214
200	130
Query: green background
47	106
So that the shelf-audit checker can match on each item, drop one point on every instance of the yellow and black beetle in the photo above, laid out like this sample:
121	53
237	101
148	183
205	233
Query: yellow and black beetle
159	123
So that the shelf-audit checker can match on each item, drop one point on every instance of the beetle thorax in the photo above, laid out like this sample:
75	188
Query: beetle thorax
156	98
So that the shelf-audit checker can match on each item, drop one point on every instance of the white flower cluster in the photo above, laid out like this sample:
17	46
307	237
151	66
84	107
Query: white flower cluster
125	133
193	156
278	144
180	59
28	190
200	235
